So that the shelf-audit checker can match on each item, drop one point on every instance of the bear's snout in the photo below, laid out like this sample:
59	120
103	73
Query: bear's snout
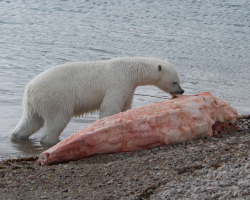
180	91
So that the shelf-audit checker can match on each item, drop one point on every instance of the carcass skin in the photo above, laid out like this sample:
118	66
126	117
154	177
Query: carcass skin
172	121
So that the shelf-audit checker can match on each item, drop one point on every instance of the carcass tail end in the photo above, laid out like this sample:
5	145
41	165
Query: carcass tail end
43	159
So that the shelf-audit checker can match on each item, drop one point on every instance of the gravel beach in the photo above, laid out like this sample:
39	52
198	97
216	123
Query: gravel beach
208	168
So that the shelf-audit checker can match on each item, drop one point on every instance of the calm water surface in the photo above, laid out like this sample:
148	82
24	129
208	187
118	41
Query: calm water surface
208	41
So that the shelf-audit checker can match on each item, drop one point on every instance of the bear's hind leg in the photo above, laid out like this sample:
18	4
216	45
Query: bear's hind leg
53	127
29	124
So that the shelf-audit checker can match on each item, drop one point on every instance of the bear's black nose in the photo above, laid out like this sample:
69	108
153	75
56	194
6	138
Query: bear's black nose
182	91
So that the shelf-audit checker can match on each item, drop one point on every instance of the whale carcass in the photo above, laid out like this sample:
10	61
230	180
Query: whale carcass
177	120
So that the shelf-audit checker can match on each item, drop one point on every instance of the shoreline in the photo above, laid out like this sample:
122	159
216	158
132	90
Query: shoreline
18	156
207	168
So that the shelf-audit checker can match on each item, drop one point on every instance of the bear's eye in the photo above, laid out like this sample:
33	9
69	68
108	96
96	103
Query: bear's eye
174	83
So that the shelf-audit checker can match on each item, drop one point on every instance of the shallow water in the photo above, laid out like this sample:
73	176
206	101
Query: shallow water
208	42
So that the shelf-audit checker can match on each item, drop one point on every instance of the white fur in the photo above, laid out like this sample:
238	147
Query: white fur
53	97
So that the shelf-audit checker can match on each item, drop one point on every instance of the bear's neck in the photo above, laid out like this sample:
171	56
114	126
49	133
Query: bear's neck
145	76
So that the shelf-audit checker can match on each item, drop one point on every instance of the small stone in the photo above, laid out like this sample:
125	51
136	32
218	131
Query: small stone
235	194
210	187
107	174
156	168
108	165
217	177
31	176
196	190
247	166
44	197
179	190
1	174
215	196
150	191
203	189
173	191
209	176
239	195
246	192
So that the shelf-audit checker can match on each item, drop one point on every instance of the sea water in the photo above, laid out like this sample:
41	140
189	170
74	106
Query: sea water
208	41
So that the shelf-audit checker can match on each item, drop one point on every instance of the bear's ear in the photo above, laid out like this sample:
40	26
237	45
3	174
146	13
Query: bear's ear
159	68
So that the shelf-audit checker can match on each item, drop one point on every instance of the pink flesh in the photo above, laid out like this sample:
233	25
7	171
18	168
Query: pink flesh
219	127
172	121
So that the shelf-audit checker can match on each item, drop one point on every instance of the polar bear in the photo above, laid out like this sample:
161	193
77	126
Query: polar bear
53	97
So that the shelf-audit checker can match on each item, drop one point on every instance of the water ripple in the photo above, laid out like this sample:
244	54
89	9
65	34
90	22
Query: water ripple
208	41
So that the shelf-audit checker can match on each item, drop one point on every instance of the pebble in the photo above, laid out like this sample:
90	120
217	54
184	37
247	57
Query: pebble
216	183
208	168
31	176
229	180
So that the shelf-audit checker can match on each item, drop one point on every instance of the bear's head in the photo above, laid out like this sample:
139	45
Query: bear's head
168	79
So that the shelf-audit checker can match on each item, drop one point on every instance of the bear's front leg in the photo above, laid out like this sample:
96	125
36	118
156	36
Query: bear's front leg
113	103
128	104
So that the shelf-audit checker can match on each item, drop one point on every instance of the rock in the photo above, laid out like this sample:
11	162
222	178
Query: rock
247	166
31	176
